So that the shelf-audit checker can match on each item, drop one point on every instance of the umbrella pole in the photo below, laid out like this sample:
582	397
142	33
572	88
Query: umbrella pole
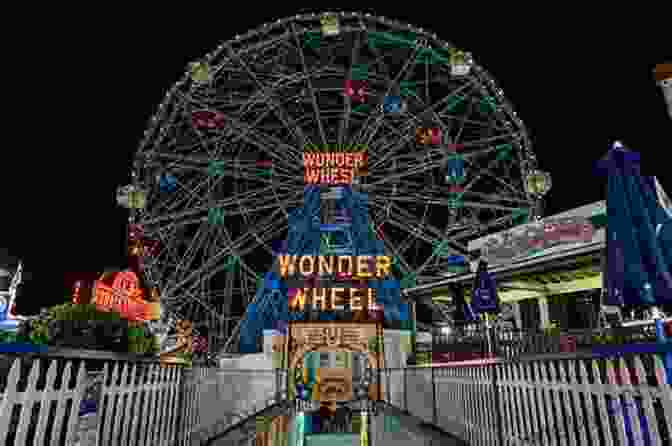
487	334
662	339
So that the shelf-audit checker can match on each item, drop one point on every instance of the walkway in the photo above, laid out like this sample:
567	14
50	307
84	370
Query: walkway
402	429
412	431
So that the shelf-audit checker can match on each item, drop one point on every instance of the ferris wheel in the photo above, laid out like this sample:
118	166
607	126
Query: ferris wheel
220	166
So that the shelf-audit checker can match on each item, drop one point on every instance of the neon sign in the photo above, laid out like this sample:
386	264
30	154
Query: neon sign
538	236
358	298
360	266
333	167
121	292
334	299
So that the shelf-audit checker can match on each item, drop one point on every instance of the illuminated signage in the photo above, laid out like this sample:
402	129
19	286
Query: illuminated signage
333	167
357	298
333	299
121	292
335	383
361	266
536	237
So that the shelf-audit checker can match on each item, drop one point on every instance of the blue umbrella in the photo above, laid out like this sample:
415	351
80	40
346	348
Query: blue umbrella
639	233
484	297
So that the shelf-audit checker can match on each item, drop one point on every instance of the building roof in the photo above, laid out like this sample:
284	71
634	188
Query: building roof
585	211
558	257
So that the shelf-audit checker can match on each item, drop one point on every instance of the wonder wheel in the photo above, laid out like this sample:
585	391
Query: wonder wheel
220	166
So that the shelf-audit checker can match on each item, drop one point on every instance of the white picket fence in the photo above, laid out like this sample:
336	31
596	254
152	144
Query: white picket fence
138	405
612	402
141	404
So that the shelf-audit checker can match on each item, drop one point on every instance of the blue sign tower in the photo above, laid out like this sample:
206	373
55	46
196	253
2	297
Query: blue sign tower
332	221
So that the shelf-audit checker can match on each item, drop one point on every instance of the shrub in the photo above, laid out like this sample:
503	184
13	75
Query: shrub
76	326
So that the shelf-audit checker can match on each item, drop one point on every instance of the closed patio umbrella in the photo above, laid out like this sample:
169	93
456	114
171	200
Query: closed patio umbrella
639	233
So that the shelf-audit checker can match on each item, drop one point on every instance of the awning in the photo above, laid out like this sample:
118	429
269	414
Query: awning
553	283
569	259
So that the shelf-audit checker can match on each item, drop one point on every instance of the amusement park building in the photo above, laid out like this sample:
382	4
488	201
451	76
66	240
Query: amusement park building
551	285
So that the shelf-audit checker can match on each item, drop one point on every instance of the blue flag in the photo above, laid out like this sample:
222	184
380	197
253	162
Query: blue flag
484	296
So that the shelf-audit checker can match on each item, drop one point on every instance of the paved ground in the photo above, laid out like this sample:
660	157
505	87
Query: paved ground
411	431
403	430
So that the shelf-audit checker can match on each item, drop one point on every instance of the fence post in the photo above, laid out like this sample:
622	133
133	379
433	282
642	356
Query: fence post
498	410
278	385
388	374
435	417
405	389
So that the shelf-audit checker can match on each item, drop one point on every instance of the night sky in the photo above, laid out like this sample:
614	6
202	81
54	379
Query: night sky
578	82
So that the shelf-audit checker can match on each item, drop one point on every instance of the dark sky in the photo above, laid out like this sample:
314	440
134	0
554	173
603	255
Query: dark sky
578	81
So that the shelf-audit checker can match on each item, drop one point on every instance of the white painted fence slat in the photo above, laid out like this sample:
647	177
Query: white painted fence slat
539	391
615	412
665	391
77	395
168	408
128	419
119	390
473	402
551	416
559	420
577	396
647	402
524	408
535	422
160	394
45	403
523	418
151	409
591	423
483	406
629	405
109	398
59	419
518	416
504	401
9	398
602	392
26	402
174	380
144	399
534	407
567	404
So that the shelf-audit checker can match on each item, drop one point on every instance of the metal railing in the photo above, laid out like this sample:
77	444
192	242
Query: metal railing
463	344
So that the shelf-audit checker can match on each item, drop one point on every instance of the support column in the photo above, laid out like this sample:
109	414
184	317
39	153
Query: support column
544	319
515	306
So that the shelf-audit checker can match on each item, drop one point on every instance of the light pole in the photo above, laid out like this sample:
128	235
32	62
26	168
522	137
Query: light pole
663	76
